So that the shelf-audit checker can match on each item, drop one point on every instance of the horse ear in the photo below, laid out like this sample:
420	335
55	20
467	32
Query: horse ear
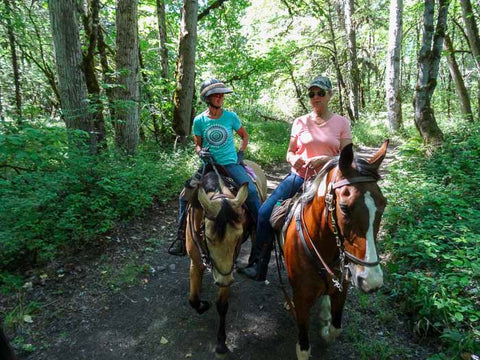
346	158
377	159
241	196
212	208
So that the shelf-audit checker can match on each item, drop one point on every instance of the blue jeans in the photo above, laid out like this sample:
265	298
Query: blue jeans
240	176
238	173
285	190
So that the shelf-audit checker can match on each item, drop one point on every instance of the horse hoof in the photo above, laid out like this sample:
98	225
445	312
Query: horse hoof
204	306
330	334
221	351
303	354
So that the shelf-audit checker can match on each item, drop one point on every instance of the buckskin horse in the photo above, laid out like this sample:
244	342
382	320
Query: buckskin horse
335	225
217	224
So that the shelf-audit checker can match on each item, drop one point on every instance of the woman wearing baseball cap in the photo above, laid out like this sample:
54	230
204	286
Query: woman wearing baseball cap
316	138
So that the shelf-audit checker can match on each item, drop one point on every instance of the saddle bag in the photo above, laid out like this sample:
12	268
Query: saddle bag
280	212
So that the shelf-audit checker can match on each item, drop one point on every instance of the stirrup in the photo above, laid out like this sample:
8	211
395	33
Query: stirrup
177	248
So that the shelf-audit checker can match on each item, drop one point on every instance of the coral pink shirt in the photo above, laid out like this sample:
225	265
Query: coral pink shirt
313	139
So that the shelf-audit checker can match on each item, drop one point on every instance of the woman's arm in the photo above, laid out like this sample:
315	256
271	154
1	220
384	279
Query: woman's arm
198	143
244	135
292	158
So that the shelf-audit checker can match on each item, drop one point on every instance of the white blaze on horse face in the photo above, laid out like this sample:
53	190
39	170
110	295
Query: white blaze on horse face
372	277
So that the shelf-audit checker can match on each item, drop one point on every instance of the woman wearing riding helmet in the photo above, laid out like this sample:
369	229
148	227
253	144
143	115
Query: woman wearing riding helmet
213	135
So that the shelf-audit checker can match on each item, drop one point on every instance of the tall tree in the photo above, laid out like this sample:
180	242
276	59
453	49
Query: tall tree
473	40
68	57
15	66
334	54
127	92
352	58
162	32
472	31
395	34
460	87
428	64
91	26
185	71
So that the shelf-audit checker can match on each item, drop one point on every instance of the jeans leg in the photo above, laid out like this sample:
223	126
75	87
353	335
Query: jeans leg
182	205
286	189
238	173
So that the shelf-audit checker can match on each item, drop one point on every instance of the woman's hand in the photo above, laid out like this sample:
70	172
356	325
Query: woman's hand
317	162
296	161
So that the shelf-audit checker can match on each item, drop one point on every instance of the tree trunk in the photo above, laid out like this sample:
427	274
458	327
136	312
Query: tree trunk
127	92
162	32
428	64
15	67
341	24
460	87
394	101
106	71
90	23
472	31
42	62
68	56
185	71
352	58
335	57
150	99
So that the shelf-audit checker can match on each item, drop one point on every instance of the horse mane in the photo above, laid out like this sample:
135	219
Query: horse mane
227	214
362	166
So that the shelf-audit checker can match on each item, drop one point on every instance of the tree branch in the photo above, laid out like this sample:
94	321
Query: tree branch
215	5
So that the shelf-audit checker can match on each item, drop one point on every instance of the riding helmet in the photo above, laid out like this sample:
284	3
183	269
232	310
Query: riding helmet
213	86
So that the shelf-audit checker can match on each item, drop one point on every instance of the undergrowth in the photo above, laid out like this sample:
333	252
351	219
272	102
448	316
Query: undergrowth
433	227
54	198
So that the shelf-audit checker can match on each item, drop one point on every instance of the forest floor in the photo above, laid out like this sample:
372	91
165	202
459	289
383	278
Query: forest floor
128	299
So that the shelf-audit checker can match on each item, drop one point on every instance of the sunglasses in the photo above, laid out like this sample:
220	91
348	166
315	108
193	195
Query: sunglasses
320	93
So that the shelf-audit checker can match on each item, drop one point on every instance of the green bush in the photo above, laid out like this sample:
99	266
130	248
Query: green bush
268	141
52	196
434	233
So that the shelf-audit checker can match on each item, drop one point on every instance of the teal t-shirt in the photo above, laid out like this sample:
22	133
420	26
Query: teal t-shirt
217	135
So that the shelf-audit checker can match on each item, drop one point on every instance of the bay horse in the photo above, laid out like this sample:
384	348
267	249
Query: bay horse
335	225
217	224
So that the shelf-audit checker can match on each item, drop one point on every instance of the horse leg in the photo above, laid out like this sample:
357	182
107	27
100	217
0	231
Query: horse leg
196	276
222	308
328	332
337	303
303	303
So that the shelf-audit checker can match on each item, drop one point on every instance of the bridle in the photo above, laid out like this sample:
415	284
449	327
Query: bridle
202	244
330	200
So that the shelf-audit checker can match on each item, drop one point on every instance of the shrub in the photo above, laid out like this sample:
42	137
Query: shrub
432	219
54	197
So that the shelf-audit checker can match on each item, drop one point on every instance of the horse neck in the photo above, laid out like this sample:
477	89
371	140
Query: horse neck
317	223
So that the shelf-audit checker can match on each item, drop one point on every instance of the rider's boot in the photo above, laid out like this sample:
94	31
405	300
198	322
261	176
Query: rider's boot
259	267
178	247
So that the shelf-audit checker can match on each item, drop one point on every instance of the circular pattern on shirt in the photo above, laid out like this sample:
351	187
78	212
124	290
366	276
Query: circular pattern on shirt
216	135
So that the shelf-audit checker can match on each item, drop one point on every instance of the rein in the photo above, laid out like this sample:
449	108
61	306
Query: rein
339	238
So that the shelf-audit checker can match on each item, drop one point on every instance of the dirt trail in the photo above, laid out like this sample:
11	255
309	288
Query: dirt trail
131	303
